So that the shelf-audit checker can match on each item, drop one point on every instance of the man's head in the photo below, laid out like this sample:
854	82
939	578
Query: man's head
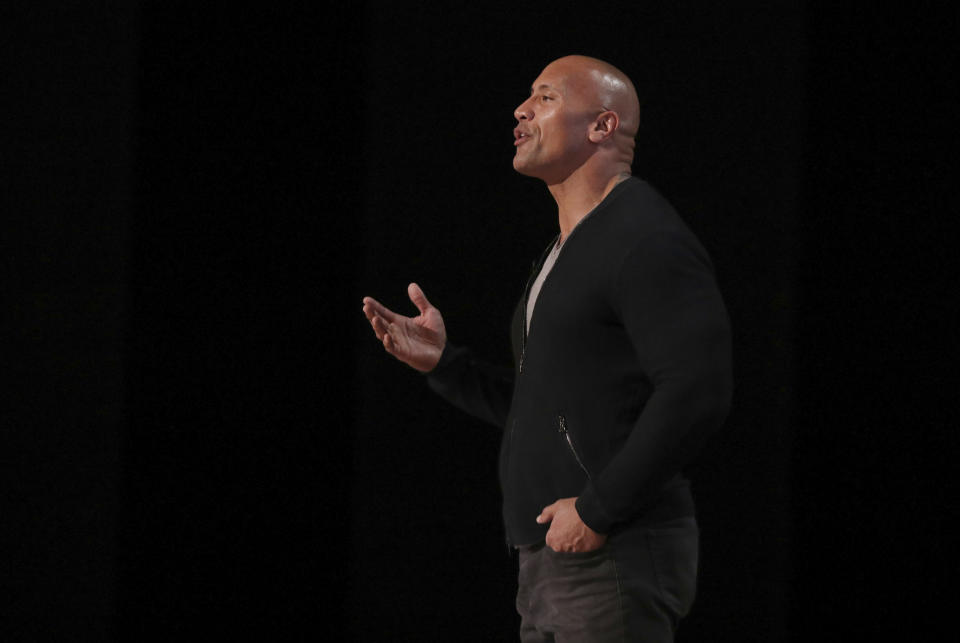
580	110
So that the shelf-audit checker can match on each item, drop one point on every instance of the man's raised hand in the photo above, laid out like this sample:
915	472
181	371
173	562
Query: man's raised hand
416	341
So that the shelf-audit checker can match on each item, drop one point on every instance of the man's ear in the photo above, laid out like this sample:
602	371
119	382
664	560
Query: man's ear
604	126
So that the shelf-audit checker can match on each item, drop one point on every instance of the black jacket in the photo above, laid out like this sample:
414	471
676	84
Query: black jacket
624	374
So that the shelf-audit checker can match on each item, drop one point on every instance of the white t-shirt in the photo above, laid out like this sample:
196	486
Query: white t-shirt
538	283
547	267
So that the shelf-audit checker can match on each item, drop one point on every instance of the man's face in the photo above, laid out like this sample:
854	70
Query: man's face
552	125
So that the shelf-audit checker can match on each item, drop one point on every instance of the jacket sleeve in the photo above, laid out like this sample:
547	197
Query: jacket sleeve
482	390
677	322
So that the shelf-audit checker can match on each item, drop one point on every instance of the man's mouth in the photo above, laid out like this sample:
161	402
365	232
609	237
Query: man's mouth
519	137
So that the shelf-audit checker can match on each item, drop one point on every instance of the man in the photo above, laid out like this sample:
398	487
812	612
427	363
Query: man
623	369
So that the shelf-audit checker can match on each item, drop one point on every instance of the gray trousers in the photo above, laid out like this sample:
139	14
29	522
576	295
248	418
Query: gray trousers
634	588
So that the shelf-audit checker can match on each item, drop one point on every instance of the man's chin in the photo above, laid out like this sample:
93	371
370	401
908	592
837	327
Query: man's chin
523	168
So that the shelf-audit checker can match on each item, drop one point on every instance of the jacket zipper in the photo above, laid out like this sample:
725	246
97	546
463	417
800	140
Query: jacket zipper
523	354
513	426
523	339
563	431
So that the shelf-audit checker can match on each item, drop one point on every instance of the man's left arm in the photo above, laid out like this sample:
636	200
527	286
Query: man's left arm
677	322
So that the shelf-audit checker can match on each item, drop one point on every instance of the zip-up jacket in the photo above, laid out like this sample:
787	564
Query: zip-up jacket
625	371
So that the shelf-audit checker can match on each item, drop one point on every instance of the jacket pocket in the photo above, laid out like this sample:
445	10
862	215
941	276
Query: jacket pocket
565	434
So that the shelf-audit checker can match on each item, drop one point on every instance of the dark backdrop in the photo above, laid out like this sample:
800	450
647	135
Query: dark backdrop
207	440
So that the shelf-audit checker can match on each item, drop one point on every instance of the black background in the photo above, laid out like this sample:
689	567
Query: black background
206	439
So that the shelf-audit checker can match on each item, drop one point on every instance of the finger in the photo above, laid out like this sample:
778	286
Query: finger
418	298
554	542
547	514
373	307
379	326
386	333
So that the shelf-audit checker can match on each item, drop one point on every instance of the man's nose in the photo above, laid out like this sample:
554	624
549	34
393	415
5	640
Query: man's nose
522	112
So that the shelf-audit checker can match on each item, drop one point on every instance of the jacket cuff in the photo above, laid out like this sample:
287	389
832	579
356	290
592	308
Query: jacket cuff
591	512
447	356
445	375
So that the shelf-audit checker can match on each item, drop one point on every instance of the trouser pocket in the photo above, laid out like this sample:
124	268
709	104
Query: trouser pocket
569	596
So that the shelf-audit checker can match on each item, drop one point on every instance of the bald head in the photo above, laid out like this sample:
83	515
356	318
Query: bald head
599	83
582	116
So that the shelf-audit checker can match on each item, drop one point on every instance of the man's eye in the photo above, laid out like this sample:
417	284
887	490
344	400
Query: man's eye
546	98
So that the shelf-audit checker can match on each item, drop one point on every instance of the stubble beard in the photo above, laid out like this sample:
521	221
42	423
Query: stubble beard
522	164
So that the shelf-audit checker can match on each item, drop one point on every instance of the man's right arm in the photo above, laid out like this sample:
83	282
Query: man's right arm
480	389
476	387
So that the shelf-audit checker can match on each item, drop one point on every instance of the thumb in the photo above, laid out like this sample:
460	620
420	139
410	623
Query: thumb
547	514
418	298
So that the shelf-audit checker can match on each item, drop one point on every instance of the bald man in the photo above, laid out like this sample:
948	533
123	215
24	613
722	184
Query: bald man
622	370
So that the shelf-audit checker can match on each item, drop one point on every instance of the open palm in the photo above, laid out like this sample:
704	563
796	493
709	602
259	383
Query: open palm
416	341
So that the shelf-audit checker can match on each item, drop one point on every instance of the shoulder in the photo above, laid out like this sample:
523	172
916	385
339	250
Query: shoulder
641	209
642	227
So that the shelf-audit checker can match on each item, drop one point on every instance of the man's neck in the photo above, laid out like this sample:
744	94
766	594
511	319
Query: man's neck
580	193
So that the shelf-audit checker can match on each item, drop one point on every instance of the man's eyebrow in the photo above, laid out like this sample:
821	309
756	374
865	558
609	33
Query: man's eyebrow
544	86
